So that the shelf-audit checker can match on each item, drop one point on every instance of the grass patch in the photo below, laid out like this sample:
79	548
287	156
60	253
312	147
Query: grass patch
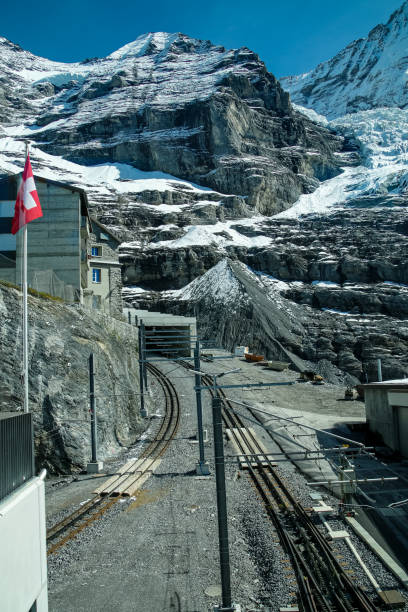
34	292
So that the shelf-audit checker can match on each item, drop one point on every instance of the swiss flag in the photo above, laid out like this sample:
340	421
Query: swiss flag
28	205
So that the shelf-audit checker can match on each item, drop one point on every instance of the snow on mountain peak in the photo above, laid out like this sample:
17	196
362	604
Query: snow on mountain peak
157	41
369	73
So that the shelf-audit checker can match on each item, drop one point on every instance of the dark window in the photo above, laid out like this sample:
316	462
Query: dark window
96	302
8	189
5	225
9	257
96	251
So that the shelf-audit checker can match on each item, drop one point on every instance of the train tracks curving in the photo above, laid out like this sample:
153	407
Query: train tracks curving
127	479
323	585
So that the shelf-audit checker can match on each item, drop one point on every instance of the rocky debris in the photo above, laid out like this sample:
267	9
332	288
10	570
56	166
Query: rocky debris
237	306
61	338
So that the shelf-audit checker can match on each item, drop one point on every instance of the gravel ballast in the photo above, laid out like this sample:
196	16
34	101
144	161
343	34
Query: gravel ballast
159	550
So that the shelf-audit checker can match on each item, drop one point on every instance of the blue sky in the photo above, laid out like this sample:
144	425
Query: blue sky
290	36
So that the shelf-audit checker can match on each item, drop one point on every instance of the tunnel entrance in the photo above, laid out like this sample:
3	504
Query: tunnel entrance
168	341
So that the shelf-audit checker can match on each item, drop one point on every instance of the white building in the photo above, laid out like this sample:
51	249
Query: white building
23	556
387	412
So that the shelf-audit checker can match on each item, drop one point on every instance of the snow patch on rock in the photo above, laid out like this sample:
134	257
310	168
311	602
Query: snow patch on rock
219	282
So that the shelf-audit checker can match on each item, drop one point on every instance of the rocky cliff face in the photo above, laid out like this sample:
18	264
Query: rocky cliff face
369	73
61	339
176	104
237	305
193	154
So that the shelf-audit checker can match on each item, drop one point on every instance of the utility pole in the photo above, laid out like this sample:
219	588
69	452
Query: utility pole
379	370
94	466
143	341
202	468
143	411
227	605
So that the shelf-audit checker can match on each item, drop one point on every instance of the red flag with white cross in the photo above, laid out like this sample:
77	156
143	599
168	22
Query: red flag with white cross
28	205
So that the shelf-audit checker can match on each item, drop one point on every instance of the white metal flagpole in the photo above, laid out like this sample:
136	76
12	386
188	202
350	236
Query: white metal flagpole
25	314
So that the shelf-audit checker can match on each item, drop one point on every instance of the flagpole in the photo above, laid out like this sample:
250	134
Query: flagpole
25	314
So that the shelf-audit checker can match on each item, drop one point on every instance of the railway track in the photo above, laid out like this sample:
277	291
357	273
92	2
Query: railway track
323	585
127	479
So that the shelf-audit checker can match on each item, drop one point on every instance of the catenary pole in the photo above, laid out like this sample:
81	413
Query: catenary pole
379	370
221	505
143	412
202	467
143	340
92	404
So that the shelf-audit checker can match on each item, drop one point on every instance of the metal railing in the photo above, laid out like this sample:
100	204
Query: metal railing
16	451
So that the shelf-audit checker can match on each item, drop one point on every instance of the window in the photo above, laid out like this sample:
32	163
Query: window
5	225
96	275
96	251
96	302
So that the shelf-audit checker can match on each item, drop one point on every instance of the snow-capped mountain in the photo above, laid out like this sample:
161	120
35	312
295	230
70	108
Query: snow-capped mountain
362	94
170	103
369	73
193	153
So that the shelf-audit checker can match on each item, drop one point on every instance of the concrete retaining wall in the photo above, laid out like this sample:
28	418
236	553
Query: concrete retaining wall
23	561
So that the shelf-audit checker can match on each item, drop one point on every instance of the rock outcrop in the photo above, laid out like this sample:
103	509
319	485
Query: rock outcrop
236	306
61	339
176	104
369	73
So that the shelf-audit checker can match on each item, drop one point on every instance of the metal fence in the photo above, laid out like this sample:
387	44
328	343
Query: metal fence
16	451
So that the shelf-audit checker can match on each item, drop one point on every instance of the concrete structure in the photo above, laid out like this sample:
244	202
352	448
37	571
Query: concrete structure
70	255
163	326
387	412
23	560
104	290
57	242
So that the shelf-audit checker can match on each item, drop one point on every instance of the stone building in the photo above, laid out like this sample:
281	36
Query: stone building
387	412
104	290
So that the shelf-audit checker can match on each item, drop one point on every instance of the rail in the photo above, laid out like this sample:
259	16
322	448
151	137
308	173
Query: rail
72	525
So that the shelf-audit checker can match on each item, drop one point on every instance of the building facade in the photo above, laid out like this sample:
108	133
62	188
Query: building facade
57	242
69	255
387	413
104	288
23	550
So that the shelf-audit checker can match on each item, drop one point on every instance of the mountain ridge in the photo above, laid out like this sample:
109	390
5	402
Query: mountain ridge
187	150
368	73
171	103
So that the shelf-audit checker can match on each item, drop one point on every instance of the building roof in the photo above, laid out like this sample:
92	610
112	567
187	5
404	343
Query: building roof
401	383
105	229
